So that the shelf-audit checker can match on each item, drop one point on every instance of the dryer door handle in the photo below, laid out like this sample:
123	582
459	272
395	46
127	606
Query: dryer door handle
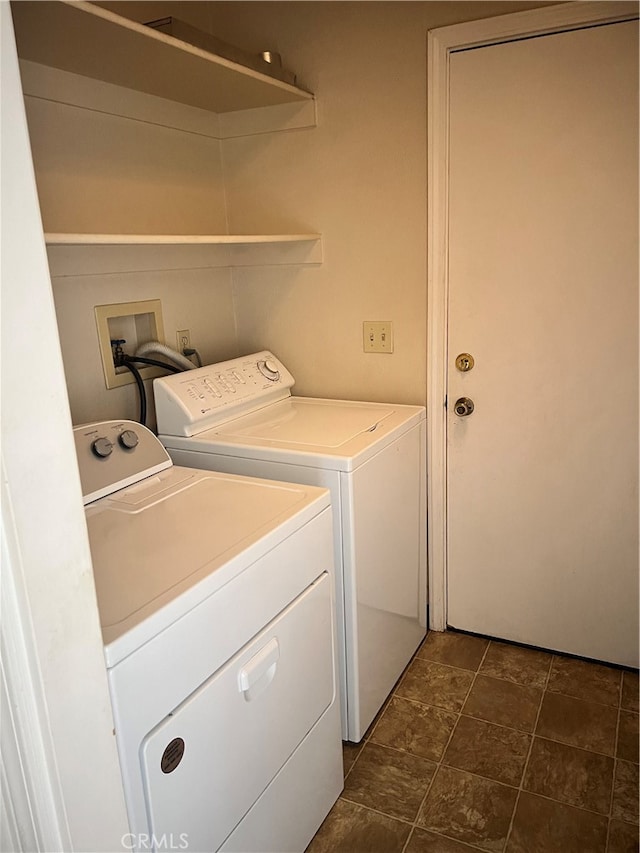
259	670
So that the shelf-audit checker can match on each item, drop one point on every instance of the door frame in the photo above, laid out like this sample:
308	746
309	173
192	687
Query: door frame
441	43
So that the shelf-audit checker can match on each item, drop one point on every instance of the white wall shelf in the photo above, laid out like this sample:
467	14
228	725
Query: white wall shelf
174	239
78	37
99	254
74	52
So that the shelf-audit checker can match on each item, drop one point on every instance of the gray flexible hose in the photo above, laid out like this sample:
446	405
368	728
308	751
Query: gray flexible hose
170	354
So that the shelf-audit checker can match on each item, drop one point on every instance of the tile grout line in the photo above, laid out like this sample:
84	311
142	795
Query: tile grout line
445	747
376	811
367	739
615	762
518	683
513	728
555	692
573	746
528	758
440	763
374	725
407	823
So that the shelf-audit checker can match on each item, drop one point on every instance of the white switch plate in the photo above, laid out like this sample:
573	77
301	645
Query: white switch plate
377	336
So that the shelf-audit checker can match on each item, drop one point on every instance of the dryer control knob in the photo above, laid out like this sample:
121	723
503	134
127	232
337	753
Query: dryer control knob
128	439
102	447
269	369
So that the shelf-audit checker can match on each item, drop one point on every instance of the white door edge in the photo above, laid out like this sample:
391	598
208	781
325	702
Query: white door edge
441	43
32	798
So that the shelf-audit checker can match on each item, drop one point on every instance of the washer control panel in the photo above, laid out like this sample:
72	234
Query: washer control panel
189	403
115	454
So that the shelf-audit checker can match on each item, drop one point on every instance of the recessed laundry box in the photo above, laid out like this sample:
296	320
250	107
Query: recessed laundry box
240	417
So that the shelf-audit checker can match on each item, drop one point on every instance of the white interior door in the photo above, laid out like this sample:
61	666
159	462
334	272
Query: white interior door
542	477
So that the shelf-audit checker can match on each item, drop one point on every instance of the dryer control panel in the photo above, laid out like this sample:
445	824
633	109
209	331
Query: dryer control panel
192	402
115	454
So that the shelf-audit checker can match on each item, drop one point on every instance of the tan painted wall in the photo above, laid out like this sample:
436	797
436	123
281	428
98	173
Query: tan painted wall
359	178
101	173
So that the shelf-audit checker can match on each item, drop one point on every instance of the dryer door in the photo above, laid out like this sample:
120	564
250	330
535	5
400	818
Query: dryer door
207	763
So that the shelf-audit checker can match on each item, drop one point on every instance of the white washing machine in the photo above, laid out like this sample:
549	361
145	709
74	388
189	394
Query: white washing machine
216	603
239	416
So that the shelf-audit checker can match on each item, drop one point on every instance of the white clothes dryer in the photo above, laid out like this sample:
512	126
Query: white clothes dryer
216	604
239	416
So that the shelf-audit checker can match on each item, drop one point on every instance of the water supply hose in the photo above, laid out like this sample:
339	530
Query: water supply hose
168	353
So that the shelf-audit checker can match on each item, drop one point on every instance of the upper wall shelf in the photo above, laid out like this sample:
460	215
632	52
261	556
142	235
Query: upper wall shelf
174	239
78	37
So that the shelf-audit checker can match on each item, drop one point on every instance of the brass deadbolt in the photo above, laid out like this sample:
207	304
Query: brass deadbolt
464	362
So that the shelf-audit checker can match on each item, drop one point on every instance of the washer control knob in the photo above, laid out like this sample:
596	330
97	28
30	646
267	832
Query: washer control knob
128	439
102	447
269	369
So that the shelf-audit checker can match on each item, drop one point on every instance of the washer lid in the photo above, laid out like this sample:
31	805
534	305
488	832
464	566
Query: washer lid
152	542
300	421
329	434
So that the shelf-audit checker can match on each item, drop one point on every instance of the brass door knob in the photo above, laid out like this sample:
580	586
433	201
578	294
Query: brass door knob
463	407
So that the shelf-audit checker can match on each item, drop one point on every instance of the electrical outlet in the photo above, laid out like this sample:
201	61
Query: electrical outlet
183	340
377	336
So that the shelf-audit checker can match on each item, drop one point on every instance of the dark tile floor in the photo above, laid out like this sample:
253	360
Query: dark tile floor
489	746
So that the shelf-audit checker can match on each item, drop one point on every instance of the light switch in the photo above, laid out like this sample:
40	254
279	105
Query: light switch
377	336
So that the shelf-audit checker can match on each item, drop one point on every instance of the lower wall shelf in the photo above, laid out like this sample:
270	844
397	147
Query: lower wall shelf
86	254
69	239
